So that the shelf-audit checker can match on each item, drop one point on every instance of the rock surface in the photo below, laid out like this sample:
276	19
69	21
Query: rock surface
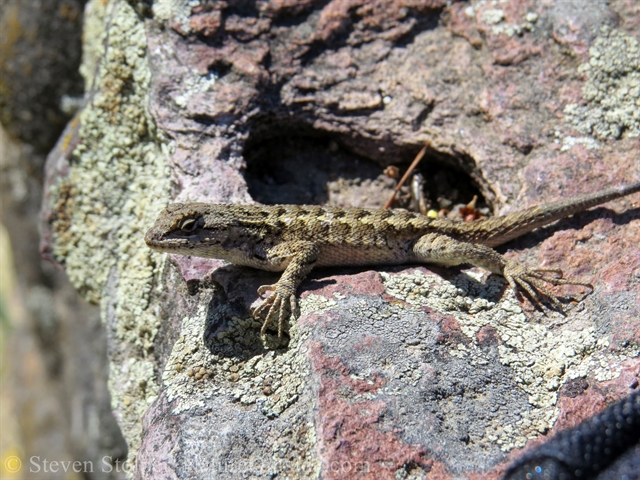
389	373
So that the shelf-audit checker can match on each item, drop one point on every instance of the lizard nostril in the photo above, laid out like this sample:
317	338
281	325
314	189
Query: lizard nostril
150	238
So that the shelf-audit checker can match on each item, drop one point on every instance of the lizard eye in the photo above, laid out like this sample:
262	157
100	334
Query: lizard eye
188	225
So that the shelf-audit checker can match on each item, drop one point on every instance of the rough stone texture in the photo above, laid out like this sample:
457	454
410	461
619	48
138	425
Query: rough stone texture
393	373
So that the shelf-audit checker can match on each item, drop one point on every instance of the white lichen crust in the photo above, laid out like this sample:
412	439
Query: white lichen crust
612	89
543	357
230	368
271	379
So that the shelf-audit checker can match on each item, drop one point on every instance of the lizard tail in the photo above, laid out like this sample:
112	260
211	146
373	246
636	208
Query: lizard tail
498	230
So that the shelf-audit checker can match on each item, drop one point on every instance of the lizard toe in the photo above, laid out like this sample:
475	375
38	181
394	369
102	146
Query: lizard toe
266	288
274	310
533	281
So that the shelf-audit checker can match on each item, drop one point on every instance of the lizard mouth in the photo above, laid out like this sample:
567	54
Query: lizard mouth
172	242
157	241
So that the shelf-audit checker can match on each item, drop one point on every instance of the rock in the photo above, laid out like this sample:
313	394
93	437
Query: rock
390	372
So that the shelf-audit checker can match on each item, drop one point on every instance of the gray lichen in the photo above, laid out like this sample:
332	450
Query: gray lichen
612	90
194	373
542	358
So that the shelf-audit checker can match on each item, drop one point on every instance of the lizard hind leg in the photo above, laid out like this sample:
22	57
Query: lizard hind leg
536	272
557	271
527	286
445	250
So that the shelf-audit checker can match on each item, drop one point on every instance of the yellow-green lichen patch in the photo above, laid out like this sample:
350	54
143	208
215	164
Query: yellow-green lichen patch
173	11
542	358
117	183
612	90
135	389
235	365
118	179
94	34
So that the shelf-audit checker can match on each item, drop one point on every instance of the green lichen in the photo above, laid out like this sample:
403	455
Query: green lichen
612	90
175	11
117	184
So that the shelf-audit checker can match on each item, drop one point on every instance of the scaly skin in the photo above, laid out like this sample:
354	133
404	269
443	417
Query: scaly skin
296	238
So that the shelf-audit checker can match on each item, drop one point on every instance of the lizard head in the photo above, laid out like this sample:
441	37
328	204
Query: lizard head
198	229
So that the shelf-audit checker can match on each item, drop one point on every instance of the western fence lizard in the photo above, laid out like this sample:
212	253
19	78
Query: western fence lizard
296	238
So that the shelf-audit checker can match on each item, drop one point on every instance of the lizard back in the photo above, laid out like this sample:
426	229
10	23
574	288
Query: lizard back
241	233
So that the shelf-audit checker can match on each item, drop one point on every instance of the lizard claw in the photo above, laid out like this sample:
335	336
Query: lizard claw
531	281
278	305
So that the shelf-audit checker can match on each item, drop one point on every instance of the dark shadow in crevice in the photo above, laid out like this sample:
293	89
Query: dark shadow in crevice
223	335
242	8
219	68
297	13
296	169
288	162
424	22
417	122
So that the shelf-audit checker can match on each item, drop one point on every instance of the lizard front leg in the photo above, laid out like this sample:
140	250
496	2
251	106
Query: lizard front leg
444	250
299	257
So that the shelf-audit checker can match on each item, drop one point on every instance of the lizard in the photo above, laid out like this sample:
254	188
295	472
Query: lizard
294	239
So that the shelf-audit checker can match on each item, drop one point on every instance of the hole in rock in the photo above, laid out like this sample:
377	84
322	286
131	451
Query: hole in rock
318	170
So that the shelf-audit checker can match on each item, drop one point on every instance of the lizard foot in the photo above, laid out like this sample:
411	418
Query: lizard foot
278	305
531	280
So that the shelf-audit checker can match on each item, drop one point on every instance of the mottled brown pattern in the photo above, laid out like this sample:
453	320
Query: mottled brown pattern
294	239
